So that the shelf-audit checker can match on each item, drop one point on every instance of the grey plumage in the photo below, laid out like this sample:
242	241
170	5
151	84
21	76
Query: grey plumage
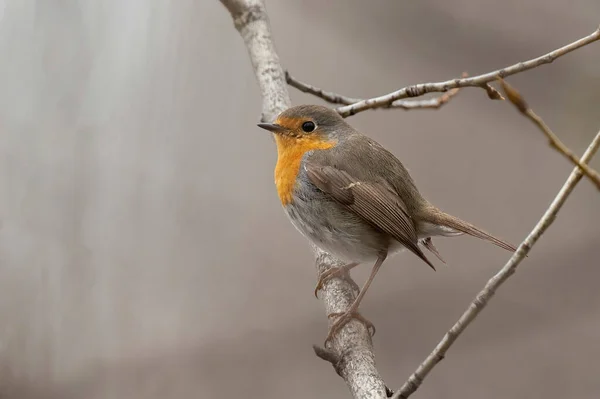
356	200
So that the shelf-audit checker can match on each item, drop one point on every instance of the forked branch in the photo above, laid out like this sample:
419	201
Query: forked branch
475	81
334	98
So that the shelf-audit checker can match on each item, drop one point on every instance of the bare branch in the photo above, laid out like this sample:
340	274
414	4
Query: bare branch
251	20
328	96
495	282
476	81
353	357
334	98
519	102
352	350
430	103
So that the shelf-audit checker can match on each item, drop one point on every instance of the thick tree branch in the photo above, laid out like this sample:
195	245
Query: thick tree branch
519	102
481	300
353	357
476	81
352	350
251	20
334	98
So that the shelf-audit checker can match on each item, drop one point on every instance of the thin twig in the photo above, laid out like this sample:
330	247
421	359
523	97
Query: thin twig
430	103
519	102
481	300
476	81
335	98
328	96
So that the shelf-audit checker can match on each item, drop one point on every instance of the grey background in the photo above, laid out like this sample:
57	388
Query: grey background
143	251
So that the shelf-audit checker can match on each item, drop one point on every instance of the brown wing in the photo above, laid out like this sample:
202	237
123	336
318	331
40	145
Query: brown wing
373	201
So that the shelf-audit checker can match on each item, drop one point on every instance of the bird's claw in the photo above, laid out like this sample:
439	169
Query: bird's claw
342	272
342	319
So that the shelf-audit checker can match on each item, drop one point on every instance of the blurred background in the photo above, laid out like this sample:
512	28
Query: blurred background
143	250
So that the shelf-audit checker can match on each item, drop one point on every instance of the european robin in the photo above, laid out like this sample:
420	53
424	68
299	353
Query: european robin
352	198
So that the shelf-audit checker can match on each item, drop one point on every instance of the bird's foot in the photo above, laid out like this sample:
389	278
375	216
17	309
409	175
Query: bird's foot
342	319
342	272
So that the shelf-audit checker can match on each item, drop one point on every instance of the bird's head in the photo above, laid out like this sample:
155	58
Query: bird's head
304	124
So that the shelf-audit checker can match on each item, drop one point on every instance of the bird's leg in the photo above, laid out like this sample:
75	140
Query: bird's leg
342	272
352	313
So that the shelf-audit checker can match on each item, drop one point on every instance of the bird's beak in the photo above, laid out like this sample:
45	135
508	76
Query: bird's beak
272	127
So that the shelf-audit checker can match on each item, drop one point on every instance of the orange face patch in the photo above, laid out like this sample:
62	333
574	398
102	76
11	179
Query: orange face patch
290	123
290	151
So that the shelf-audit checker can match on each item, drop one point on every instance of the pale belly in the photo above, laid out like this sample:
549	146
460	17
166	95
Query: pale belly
339	232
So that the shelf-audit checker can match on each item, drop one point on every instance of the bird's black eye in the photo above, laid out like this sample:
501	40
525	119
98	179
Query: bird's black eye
308	126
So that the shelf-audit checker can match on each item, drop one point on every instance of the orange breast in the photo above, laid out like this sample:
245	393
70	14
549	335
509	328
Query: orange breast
290	151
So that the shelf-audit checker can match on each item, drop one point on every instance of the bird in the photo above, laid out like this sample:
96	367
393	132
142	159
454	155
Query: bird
354	199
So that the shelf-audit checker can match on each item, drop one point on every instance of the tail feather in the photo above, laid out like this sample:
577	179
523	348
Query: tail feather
435	216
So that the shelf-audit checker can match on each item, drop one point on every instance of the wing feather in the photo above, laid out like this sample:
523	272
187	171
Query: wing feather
374	202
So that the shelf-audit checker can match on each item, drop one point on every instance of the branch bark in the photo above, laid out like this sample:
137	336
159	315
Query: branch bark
352	351
252	22
482	299
476	81
335	98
